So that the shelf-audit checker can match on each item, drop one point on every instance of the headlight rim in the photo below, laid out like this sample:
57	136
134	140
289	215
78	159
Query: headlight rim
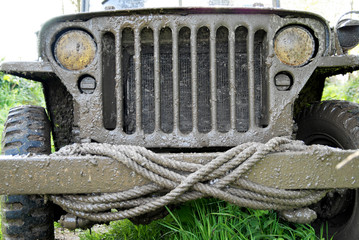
314	44
60	35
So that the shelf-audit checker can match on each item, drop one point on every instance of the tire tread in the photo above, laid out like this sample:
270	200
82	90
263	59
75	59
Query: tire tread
26	130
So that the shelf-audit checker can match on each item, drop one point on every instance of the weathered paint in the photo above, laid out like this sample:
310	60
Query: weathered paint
314	169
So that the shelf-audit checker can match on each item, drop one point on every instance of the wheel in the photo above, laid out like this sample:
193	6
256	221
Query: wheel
27	130
335	124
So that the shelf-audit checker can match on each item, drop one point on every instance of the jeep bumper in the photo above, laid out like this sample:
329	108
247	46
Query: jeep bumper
313	169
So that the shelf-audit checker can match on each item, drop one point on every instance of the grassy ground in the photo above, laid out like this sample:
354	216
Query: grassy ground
208	219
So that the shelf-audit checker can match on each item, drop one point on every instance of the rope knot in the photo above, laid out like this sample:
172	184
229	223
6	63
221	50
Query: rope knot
182	181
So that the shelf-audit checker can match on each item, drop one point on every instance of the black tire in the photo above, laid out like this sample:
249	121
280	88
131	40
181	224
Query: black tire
335	124
27	130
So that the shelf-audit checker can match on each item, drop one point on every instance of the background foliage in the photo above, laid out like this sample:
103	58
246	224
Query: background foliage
342	88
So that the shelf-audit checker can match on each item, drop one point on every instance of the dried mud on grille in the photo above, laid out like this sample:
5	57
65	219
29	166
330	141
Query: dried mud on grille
184	79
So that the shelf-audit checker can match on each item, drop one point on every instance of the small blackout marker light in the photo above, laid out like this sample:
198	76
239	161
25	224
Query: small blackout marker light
87	85
283	81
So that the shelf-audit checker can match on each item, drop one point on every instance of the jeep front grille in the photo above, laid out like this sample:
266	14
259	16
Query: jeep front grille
184	79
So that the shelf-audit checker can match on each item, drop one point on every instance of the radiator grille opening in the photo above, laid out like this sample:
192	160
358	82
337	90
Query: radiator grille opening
260	83
185	80
224	88
241	80
166	80
147	81
109	101
203	80
129	84
223	84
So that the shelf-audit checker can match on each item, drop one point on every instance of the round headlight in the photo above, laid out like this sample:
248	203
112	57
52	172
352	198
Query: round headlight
75	49
294	45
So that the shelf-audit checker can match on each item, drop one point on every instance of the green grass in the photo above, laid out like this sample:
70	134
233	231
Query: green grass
125	229
208	219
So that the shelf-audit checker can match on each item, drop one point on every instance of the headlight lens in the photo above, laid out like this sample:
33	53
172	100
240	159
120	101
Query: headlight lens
75	49
294	45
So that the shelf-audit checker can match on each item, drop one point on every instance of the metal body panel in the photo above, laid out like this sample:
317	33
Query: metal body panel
277	104
38	71
314	169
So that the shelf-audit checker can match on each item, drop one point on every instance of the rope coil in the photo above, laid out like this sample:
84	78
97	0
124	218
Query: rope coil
182	181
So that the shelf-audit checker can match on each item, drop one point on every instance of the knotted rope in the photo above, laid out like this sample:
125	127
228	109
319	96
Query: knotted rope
176	181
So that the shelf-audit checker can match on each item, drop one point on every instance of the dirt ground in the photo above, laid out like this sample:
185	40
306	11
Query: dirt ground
64	234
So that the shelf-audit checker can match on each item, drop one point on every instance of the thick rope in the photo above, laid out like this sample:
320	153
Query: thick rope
181	181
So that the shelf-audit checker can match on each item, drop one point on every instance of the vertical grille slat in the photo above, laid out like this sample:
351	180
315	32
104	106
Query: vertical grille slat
120	82
138	80
232	77
176	77
213	76
194	83
157	83
194	79
251	90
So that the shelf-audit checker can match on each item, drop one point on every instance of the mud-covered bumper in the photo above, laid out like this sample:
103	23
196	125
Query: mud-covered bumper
313	169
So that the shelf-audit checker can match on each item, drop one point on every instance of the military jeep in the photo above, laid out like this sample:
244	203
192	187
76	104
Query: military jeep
186	82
